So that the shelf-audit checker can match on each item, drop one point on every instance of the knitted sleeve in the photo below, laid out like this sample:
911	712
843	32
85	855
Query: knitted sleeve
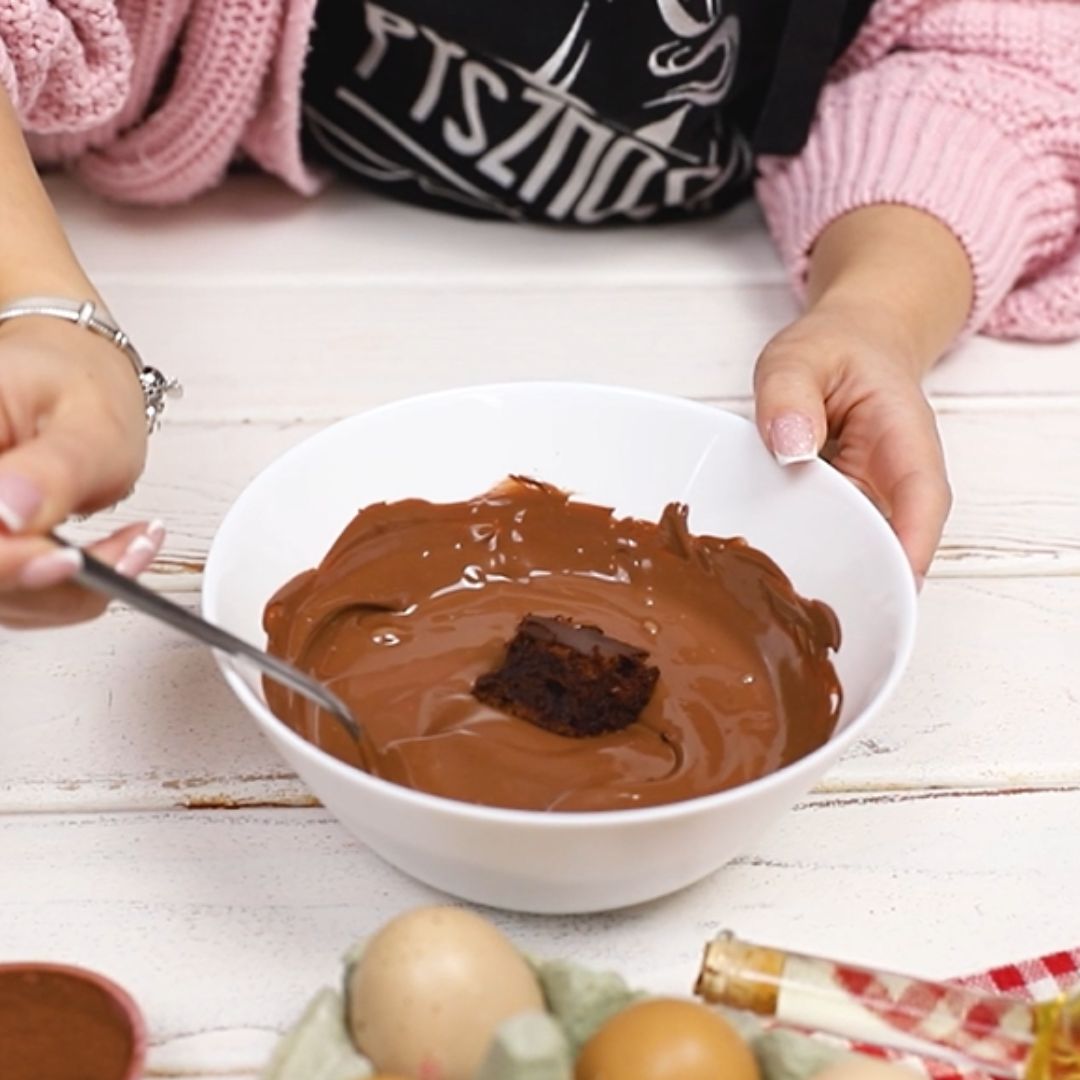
65	64
968	110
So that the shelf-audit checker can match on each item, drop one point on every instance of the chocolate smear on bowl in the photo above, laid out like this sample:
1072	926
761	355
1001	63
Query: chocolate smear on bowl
745	686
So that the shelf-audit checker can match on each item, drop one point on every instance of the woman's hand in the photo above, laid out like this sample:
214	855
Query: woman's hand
72	426
835	382
890	288
72	440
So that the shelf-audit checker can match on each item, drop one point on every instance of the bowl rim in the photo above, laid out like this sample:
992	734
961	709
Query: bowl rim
113	991
573	819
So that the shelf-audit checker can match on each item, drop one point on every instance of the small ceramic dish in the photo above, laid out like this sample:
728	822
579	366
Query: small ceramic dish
67	1023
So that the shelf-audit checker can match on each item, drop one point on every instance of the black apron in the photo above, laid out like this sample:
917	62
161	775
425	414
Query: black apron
567	111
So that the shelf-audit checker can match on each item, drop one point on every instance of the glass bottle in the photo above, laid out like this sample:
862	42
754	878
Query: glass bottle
1002	1036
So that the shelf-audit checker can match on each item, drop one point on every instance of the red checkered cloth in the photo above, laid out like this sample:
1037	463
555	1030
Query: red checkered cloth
1032	980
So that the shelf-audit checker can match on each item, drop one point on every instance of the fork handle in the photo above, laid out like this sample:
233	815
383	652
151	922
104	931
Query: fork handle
96	575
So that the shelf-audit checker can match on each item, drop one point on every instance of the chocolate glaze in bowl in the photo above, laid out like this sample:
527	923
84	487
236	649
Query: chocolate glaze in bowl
416	600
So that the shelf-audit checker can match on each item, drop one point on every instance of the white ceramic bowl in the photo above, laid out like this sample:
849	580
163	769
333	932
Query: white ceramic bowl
630	450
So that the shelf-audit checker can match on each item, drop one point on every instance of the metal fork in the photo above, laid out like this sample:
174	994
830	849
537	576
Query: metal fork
96	575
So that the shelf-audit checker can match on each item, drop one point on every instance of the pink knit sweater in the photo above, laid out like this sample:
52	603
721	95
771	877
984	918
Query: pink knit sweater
966	109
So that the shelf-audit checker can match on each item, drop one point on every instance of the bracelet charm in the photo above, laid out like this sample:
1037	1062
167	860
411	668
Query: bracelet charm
156	388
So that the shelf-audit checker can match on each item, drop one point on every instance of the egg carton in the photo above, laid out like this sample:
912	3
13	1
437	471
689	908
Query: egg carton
532	1045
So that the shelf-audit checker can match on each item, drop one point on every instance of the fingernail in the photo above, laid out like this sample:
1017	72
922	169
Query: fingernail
142	551
20	500
50	569
792	438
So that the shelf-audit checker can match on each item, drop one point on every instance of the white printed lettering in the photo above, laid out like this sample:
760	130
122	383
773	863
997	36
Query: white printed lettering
570	123
493	163
382	25
599	137
677	181
474	140
588	210
442	52
528	130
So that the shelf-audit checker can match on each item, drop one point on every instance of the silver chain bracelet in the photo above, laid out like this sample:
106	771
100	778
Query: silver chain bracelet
155	386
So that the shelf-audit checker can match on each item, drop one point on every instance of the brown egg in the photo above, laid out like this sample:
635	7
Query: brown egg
666	1039
429	991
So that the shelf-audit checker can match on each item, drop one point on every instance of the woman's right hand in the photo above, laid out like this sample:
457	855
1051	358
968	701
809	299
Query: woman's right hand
72	441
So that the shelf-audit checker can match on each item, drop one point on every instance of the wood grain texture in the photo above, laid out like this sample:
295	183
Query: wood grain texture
372	300
239	349
223	924
148	831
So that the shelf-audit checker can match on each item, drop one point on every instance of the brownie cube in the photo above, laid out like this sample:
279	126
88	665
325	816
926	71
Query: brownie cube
569	678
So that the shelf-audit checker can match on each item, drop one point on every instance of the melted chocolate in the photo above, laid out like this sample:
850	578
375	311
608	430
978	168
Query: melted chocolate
416	600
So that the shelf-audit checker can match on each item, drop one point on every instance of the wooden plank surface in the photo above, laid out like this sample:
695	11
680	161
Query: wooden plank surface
223	923
374	300
147	830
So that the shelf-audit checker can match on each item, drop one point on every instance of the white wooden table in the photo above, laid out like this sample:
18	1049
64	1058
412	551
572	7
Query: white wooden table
147	831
